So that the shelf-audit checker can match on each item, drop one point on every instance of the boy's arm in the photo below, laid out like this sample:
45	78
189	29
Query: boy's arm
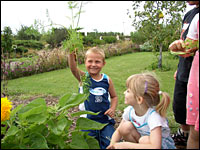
113	95
114	100
73	66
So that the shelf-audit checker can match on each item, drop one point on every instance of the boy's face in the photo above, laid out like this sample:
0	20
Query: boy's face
94	63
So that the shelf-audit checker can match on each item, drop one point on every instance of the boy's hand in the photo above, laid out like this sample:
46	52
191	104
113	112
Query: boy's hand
73	54
110	112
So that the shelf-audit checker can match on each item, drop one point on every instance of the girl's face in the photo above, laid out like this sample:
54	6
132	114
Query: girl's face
94	63
129	97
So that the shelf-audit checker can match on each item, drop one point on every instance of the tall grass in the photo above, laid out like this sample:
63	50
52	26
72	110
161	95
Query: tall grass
119	68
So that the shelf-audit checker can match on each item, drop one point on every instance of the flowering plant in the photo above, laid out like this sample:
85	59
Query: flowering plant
38	126
5	109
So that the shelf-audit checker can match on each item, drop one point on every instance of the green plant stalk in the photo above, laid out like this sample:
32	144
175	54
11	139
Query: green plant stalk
79	15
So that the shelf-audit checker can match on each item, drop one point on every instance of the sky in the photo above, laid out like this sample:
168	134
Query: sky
104	16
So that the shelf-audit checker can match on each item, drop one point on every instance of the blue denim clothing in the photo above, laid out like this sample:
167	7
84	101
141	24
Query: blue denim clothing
103	136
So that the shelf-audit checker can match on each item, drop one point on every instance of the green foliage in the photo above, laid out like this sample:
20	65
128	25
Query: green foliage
109	39
21	49
99	42
29	44
38	126
158	29
56	36
75	41
56	59
6	40
146	47
88	40
28	33
138	37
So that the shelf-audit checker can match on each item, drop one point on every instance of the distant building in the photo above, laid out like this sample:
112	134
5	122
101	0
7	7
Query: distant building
117	37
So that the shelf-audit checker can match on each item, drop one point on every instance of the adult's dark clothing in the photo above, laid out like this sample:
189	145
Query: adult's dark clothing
185	63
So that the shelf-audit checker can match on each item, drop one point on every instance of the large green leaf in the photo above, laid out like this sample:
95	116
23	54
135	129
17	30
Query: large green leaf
42	128
88	124
12	131
33	104
56	140
53	127
38	141
83	112
78	141
57	127
32	111
14	111
37	118
63	100
92	143
61	124
71	100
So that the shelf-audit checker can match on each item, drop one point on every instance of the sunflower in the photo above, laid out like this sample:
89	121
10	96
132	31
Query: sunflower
5	109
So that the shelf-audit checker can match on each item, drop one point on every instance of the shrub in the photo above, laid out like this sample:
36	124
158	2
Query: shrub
56	59
87	40
56	37
146	47
138	37
29	44
21	49
99	42
109	39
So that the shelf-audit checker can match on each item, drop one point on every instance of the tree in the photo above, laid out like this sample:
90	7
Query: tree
28	33
160	22
6	40
137	37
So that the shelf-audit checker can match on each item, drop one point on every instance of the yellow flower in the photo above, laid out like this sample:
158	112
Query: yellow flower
5	109
161	15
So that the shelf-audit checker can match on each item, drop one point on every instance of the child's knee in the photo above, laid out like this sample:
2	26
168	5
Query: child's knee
126	128
144	140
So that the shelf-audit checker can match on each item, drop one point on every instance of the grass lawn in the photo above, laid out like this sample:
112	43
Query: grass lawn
119	68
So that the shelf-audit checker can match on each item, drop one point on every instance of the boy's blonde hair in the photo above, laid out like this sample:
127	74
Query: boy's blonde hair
147	86
96	50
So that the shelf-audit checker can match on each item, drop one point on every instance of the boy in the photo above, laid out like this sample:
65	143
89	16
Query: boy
101	92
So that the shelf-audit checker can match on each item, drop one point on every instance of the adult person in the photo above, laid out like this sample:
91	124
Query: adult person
181	76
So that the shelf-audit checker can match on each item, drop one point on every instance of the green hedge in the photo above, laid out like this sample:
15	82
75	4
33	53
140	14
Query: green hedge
29	44
109	39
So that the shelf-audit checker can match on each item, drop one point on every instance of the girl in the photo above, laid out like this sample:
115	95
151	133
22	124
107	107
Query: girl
143	126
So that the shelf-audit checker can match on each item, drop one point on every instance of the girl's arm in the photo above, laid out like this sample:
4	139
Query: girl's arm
114	100
155	140
73	66
116	137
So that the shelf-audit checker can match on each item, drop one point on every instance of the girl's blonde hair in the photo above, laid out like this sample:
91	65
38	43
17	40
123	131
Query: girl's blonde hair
95	50
147	86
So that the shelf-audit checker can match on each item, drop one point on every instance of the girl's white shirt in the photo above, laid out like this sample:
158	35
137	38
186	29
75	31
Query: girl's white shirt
152	120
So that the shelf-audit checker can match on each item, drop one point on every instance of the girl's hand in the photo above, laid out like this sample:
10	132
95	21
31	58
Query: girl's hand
110	112
111	146
118	145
